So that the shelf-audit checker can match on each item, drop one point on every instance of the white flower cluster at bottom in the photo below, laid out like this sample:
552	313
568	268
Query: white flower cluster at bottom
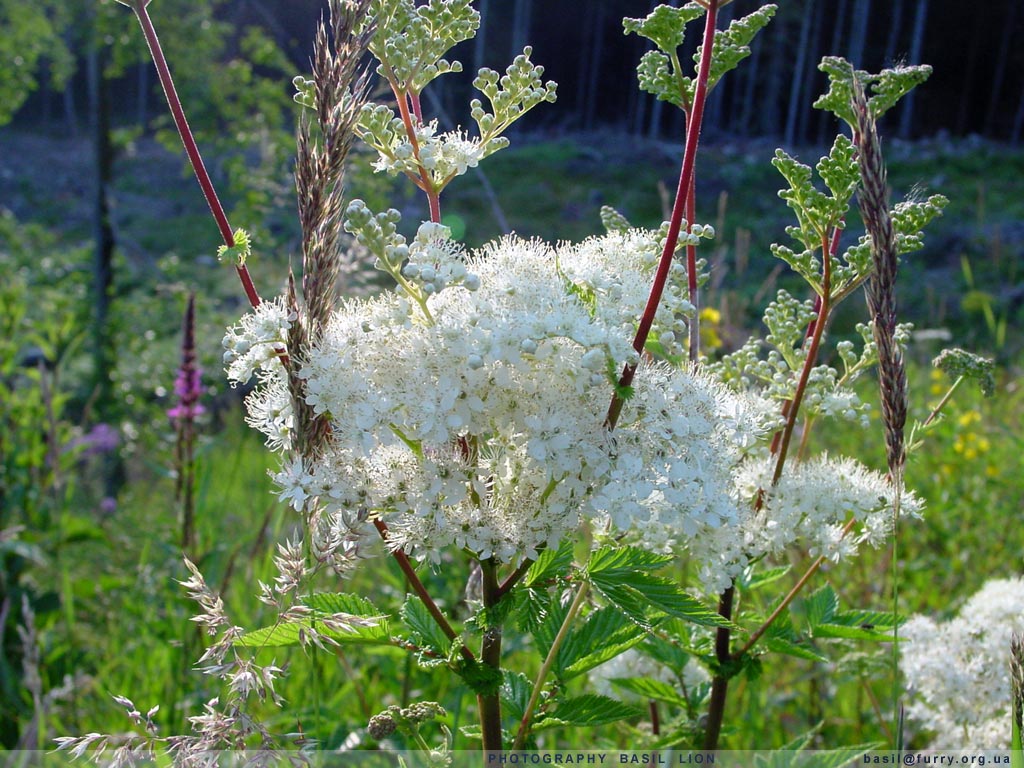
958	671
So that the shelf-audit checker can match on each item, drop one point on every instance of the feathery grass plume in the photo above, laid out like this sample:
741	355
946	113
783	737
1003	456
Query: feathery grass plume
339	92
1017	700
881	287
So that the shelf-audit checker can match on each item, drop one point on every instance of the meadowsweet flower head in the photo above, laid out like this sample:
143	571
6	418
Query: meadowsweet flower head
475	419
958	671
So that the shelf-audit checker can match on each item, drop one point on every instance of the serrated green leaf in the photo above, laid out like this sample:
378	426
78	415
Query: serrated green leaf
587	710
291	633
757	580
732	44
531	608
839	631
790	648
340	602
324	604
623	576
238	253
515	695
665	26
545	633
604	635
426	633
623	561
669	653
821	606
648	688
551	564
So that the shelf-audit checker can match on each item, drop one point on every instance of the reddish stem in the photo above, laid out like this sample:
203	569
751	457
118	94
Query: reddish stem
433	196
191	149
421	592
809	361
691	273
675	222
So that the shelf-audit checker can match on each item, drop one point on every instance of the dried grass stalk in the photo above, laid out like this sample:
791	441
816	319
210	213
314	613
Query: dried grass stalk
340	91
881	287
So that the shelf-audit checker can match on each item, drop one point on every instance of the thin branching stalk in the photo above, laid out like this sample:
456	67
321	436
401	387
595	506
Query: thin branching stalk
549	661
189	141
944	401
678	209
790	596
811	359
424	182
421	591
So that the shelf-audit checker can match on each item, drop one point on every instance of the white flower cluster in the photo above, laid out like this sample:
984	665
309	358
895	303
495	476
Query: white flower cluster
435	261
958	671
443	156
481	424
257	340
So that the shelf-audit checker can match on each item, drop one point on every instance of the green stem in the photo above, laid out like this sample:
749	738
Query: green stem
943	402
549	661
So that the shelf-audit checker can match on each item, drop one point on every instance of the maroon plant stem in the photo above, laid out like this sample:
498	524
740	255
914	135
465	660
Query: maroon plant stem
691	274
421	591
514	577
809	361
675	222
780	448
191	149
433	197
490	655
720	682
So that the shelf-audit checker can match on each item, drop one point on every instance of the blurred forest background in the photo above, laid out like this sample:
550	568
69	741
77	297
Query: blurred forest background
104	236
978	86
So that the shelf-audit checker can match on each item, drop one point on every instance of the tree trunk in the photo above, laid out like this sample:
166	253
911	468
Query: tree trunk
521	25
716	98
103	233
992	113
859	33
798	75
810	72
916	43
594	69
895	27
1018	121
770	116
968	98
480	41
825	119
750	86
